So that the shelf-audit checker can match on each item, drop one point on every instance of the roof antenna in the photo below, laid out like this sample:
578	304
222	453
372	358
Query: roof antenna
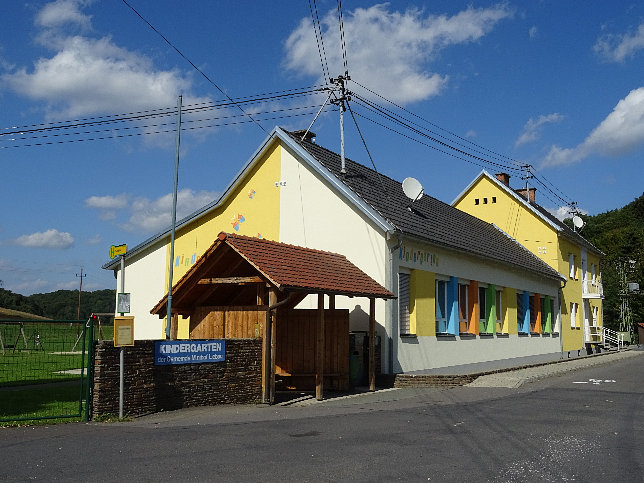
412	189
527	177
577	221
339	86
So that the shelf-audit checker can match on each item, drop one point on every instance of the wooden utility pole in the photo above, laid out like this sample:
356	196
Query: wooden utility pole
80	290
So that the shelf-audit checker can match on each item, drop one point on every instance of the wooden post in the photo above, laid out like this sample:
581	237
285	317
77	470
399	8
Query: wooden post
319	351
372	345
266	351
174	326
331	302
273	351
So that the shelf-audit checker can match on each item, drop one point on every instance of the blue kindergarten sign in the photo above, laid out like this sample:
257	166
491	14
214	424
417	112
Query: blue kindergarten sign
189	352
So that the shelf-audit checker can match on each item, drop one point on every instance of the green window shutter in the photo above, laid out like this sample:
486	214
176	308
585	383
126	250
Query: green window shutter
546	310
490	312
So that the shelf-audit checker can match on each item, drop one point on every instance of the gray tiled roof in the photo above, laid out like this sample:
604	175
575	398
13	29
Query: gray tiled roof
428	219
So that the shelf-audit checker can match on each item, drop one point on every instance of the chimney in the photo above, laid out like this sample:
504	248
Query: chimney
308	135
503	178
532	191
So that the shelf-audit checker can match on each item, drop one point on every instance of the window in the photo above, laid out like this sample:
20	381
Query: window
482	306
593	277
571	265
499	312
463	315
573	314
494	199
485	201
403	303
441	307
595	314
476	201
523	312
533	315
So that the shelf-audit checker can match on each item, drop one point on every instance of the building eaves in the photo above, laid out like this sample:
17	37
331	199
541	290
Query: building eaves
303	154
537	209
428	219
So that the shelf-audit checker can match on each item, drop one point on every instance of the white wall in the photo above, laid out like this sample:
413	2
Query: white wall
315	215
427	352
145	280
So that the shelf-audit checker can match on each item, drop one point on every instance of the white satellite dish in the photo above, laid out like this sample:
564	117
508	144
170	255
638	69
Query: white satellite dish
578	222
412	188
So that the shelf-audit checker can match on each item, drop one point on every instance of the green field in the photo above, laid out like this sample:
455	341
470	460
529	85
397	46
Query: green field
42	369
41	402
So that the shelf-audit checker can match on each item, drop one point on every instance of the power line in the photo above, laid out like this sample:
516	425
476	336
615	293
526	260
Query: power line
343	44
6	133
448	141
190	62
162	131
438	126
319	40
444	144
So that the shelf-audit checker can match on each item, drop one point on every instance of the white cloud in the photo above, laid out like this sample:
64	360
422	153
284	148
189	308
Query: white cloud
564	212
389	50
616	48
107	202
620	133
533	32
87	75
107	205
63	12
51	238
154	215
532	128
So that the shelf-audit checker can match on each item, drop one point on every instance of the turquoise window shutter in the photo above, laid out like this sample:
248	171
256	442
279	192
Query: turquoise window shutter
452	305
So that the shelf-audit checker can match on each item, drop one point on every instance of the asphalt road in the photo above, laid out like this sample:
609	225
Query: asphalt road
586	425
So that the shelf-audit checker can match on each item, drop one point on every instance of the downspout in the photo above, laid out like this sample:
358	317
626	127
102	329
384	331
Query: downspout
269	358
565	281
390	303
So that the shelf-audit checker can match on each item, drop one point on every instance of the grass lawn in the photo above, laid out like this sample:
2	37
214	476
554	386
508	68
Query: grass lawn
40	402
40	373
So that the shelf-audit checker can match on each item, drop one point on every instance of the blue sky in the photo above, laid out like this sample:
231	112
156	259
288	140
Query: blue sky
557	85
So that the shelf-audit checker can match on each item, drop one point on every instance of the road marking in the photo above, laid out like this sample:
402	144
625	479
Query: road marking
595	382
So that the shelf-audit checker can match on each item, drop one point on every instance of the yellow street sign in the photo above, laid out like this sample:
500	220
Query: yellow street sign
116	250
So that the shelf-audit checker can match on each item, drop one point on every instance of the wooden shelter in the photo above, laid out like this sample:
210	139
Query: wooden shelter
248	287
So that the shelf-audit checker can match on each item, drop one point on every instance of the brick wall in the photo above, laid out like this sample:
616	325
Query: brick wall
150	388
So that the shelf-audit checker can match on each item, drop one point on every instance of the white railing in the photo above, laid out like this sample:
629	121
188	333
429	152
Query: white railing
590	288
594	334
612	337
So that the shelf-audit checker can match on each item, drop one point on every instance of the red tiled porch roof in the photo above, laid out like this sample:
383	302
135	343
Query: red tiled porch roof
288	268
291	267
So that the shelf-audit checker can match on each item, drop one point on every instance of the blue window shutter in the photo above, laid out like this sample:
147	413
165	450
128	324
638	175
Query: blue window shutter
452	305
526	314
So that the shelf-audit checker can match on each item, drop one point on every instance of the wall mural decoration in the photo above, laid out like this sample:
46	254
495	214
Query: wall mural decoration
421	257
237	220
185	260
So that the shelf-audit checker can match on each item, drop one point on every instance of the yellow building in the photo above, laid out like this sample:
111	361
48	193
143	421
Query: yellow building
516	212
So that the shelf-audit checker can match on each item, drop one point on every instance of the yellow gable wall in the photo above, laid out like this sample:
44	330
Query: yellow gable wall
512	217
573	337
540	238
252	209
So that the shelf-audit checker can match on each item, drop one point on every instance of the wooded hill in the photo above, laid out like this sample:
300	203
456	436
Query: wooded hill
620	235
60	305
